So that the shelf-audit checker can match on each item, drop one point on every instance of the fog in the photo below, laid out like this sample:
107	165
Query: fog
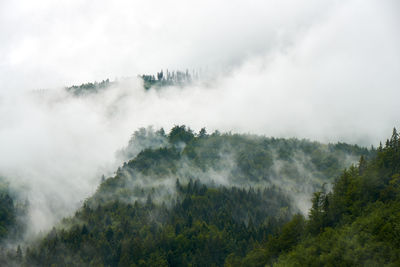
325	71
320	70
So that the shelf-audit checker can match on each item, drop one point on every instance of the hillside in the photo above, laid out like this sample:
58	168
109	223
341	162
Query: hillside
192	199
174	78
199	133
356	224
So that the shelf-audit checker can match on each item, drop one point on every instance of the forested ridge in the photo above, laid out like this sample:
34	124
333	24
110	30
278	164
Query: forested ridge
173	78
12	210
89	88
199	199
199	133
355	224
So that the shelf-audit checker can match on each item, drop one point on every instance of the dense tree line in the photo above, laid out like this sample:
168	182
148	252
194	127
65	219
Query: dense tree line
12	226
194	199
356	224
168	78
173	78
249	158
201	228
7	213
12	211
88	88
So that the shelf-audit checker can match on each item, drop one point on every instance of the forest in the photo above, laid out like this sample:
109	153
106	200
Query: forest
173	78
199	133
89	88
223	199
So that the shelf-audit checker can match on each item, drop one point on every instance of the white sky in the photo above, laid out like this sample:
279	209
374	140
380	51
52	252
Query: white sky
47	43
338	60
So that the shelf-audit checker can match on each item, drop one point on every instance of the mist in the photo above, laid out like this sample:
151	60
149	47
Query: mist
323	71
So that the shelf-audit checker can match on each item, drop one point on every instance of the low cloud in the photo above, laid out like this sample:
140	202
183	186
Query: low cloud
320	71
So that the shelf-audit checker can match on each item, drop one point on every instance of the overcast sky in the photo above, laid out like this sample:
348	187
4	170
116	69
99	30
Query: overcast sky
47	43
306	55
324	70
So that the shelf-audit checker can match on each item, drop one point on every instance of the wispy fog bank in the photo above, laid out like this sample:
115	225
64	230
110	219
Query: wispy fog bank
320	70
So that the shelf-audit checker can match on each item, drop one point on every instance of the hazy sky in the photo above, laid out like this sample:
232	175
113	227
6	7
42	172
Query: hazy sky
325	70
48	43
325	61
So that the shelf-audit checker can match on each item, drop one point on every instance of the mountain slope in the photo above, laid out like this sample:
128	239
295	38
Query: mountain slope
192	199
357	224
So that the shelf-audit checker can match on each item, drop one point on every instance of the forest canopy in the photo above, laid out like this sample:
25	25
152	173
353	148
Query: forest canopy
184	198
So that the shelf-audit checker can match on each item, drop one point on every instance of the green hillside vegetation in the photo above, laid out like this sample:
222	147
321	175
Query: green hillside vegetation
190	199
356	224
7	211
201	228
174	78
89	88
12	225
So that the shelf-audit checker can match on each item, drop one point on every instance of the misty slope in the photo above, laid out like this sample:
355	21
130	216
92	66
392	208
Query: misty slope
11	212
191	199
174	78
295	166
7	211
89	88
357	224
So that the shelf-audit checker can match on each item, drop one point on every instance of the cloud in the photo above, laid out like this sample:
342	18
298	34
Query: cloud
294	59
325	71
53	44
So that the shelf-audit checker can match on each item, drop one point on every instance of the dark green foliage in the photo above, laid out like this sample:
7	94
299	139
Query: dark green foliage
281	242
202	228
88	88
12	226
357	224
7	214
180	134
174	78
11	213
142	139
159	162
167	206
